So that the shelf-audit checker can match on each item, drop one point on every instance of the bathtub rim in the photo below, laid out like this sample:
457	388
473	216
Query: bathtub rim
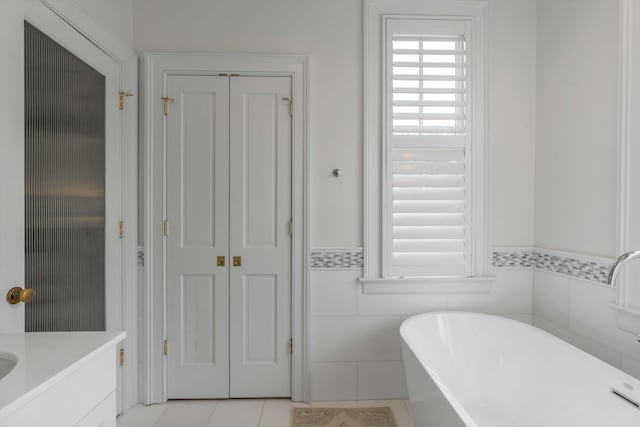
453	401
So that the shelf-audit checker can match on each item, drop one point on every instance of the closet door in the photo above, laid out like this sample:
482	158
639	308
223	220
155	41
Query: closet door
197	185
260	243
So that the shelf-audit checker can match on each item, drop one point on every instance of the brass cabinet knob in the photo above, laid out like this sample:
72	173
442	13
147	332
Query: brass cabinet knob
17	294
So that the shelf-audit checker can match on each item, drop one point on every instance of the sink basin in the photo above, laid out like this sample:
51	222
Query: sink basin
7	362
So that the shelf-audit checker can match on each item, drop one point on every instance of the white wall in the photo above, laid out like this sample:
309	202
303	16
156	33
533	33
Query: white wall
115	16
512	121
578	311
330	31
577	120
355	347
576	172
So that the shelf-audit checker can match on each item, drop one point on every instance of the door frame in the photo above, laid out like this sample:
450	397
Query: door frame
66	24
156	68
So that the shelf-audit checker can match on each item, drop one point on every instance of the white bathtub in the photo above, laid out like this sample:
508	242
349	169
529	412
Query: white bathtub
469	369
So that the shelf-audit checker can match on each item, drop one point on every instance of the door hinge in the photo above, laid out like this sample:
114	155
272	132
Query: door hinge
121	229
290	345
121	96
121	356
166	101
165	228
166	347
290	105
291	227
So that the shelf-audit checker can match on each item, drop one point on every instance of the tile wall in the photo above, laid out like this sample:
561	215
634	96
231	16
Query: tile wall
579	311
355	342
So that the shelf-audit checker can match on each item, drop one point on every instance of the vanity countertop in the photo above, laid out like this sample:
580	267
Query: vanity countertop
44	358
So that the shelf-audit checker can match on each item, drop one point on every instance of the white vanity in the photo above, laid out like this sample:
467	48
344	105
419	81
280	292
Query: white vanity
58	379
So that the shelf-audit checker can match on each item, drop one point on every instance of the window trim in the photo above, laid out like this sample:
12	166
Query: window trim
377	13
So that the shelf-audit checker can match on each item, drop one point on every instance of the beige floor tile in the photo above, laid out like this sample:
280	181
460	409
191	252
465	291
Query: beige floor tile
237	413
141	416
277	413
187	413
241	413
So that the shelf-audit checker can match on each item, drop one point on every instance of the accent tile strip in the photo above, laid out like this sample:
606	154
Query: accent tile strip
571	266
352	258
583	269
513	259
337	258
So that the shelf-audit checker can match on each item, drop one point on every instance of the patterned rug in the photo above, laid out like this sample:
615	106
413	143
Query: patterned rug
343	417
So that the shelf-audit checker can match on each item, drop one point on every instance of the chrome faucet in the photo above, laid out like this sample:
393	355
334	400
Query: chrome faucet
617	265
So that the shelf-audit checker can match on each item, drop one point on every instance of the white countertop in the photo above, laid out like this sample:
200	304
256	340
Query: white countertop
44	358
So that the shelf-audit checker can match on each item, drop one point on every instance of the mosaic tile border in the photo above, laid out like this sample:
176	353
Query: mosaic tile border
340	259
513	259
575	266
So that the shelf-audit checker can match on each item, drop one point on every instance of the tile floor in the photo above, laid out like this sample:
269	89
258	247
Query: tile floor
240	413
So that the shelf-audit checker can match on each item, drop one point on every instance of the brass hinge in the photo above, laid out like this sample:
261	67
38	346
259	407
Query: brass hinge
121	229
121	96
290	105
165	228
290	345
166	347
291	228
121	356
166	101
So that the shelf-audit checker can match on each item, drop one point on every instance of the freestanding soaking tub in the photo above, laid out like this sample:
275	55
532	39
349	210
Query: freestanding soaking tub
469	369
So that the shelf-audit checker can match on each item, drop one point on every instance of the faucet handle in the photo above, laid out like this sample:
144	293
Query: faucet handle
17	295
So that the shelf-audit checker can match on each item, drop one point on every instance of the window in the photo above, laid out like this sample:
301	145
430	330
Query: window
430	166
426	149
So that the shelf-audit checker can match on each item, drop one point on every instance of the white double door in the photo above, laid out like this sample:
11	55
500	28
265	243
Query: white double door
228	249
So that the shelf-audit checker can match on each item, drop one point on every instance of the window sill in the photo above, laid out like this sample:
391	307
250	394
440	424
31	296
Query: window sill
627	319
446	285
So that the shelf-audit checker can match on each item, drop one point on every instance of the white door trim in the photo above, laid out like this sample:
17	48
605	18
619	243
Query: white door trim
157	66
54	17
626	131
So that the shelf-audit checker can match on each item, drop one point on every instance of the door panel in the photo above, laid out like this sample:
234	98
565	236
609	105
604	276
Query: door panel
260	307
198	215
260	202
198	295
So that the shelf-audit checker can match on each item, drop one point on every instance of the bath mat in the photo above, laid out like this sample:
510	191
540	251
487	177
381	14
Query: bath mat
343	417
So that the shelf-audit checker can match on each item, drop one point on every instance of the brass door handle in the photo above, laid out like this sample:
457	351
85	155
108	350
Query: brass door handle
220	261
17	295
237	261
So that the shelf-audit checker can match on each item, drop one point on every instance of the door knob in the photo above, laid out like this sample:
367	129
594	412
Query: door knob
237	261
17	294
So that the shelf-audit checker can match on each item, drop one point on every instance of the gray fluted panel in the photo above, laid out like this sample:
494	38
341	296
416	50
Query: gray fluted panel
64	188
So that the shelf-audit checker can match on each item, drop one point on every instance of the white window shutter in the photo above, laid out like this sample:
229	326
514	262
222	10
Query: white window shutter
427	215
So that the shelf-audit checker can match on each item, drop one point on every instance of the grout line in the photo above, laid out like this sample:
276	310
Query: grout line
264	403
211	414
166	406
357	381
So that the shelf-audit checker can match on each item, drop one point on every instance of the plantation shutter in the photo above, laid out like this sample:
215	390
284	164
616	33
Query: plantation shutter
427	151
